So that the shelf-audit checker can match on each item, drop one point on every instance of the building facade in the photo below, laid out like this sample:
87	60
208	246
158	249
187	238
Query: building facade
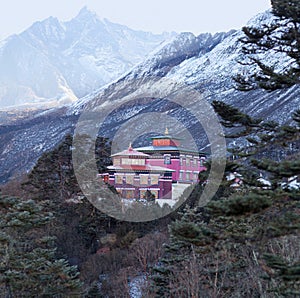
134	177
138	172
166	151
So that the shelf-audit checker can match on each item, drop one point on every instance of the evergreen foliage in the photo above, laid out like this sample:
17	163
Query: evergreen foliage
244	243
227	248
53	176
280	38
28	262
286	276
78	225
149	196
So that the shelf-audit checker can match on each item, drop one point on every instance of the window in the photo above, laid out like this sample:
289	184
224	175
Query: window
195	176
155	192
201	162
149	192
181	160
119	179
116	161
126	161
180	175
129	194
132	161
167	159
195	162
187	161
187	176
139	162
144	179
154	179
129	179
142	193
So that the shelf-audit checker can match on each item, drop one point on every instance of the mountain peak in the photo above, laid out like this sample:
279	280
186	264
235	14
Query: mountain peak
265	17
86	14
51	21
52	59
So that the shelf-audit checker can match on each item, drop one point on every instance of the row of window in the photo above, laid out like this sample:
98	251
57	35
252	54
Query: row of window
190	161
143	179
130	161
130	193
188	176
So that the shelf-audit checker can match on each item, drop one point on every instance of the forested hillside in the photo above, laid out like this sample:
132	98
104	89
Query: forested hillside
244	243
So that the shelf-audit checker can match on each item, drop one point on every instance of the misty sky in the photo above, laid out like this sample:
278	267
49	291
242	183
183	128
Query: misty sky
157	16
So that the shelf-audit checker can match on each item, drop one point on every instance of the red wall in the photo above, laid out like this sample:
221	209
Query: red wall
175	165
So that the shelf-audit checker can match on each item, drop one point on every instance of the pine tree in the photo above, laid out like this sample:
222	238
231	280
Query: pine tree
231	251
149	196
102	153
285	276
28	263
226	247
53	176
278	198
279	38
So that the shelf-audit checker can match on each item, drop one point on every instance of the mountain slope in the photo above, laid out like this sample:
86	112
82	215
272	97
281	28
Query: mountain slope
205	63
58	62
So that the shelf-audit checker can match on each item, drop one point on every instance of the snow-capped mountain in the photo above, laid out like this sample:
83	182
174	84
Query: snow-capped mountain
205	63
59	62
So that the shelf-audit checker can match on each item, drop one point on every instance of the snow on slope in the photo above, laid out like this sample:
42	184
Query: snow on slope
220	64
205	62
59	62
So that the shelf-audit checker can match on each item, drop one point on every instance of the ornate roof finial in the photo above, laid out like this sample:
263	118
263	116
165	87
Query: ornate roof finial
166	131
130	147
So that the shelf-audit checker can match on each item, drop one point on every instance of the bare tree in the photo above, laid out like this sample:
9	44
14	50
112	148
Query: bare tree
148	249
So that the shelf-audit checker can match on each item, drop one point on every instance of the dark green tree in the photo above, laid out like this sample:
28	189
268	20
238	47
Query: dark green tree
224	249
102	153
252	232
53	184
28	262
277	196
149	196
279	39
53	176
